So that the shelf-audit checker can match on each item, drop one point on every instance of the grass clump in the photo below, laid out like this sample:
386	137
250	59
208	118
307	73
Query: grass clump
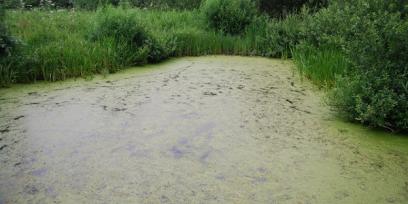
54	46
321	65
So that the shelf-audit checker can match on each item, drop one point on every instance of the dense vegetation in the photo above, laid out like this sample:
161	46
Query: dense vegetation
7	44
231	17
362	61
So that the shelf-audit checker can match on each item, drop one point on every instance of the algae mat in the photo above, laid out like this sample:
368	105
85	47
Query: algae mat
211	129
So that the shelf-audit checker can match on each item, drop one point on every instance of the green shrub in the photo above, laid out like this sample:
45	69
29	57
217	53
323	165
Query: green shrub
276	38
229	16
132	39
375	89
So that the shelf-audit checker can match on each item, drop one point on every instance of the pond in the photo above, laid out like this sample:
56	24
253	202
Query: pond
215	129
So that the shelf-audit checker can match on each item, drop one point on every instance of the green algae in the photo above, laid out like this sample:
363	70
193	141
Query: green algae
213	129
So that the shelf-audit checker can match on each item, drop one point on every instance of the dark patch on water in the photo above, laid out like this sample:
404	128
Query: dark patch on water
119	109
189	116
19	117
289	101
261	170
259	180
210	93
220	177
39	172
205	156
50	191
183	141
340	195
2	147
89	89
33	94
391	200
135	152
177	153
5	130
343	130
164	199
130	147
304	111
30	189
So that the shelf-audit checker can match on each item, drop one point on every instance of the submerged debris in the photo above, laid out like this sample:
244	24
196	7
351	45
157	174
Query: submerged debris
210	93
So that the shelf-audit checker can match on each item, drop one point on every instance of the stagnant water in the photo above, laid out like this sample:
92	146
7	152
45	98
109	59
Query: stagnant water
193	130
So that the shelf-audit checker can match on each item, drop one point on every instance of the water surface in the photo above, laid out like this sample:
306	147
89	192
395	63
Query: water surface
193	130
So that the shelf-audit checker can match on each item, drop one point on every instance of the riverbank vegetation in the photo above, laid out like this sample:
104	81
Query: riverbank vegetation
357	50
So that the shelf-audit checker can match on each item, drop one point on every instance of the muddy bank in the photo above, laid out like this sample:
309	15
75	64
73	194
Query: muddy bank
193	130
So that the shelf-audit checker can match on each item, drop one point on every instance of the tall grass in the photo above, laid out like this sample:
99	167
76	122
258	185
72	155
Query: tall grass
57	44
321	65
61	44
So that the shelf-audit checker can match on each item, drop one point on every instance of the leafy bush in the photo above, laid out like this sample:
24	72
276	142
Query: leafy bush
229	16
134	42
276	38
373	35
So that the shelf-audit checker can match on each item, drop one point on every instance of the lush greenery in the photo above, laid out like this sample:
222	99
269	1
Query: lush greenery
362	61
276	8
374	37
364	57
7	44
